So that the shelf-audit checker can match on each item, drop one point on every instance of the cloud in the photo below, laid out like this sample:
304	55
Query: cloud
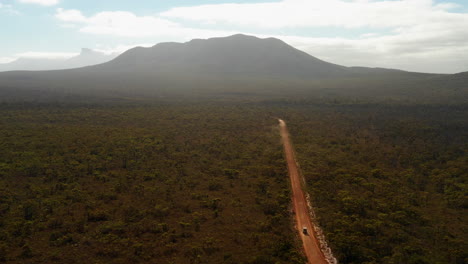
40	2
60	56
8	9
71	15
4	60
46	55
127	24
317	13
38	55
384	51
106	49
118	23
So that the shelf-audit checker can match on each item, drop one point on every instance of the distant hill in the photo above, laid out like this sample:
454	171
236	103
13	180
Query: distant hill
234	66
87	57
238	54
460	78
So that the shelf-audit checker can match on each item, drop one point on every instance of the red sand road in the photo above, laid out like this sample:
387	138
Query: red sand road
309	241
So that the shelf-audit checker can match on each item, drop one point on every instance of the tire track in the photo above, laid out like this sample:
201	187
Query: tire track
310	242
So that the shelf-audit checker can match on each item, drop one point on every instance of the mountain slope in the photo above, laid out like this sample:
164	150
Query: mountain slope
88	57
238	54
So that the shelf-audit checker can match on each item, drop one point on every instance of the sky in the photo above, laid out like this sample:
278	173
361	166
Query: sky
413	35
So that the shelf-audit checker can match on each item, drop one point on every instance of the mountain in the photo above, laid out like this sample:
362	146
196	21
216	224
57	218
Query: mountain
88	57
85	58
238	55
452	84
237	65
460	78
31	64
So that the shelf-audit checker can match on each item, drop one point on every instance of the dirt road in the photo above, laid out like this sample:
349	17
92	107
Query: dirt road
310	242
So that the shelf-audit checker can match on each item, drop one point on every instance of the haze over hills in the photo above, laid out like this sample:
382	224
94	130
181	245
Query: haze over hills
237	64
87	57
238	54
234	55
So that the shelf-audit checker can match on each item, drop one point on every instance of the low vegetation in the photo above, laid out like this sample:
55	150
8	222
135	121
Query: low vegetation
389	182
197	182
143	184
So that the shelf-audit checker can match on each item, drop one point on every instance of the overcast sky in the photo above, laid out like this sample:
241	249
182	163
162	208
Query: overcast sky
415	35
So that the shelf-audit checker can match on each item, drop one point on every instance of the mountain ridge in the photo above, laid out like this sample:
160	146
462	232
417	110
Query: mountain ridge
237	64
236	54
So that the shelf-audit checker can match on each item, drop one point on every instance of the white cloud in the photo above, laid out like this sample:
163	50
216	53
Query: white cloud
118	23
317	13
385	52
71	15
9	9
38	55
46	55
40	2
4	60
127	24
106	49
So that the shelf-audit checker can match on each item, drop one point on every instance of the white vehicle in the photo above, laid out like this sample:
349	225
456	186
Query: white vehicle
304	230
